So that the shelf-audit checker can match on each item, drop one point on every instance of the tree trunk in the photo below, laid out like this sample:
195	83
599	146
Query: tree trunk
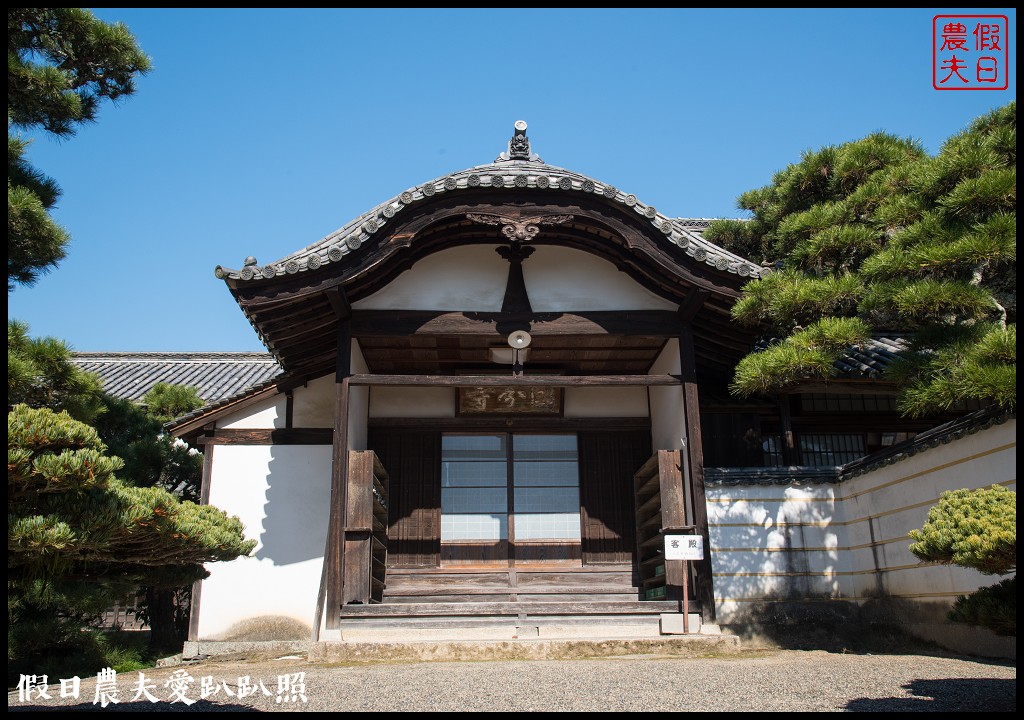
161	610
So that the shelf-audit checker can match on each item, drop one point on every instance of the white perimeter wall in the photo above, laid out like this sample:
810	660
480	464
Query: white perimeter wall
282	493
849	540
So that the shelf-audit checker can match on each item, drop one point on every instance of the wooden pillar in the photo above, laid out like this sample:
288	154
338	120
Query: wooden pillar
332	576
204	499
790	456
673	514
693	464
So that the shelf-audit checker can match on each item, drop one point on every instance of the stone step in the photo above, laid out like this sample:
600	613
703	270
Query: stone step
471	646
513	595
517	609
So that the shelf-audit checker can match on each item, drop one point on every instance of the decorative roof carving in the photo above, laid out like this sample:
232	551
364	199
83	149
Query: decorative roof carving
519	229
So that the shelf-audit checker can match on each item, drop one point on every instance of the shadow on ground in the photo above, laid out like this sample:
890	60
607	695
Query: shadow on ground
952	695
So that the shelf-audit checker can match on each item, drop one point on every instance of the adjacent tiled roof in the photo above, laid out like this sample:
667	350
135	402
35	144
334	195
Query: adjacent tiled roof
944	434
511	175
866	361
940	435
215	375
873	357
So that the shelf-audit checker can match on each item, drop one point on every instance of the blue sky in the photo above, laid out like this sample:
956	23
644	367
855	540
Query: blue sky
260	131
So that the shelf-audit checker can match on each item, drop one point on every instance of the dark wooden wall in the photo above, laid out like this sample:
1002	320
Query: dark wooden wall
608	461
413	461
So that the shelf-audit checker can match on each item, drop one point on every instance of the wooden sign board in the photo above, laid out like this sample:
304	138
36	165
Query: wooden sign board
510	401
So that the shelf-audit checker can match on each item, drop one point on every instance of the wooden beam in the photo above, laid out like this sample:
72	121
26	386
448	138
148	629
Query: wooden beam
505	423
695	300
516	298
332	577
259	436
343	363
520	381
335	551
339	303
673	513
790	455
298	326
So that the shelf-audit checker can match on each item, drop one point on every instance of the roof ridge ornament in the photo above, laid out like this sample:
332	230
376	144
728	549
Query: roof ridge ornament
519	146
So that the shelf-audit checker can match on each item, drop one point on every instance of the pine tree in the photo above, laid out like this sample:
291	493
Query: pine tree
152	458
976	529
78	536
61	63
876	236
85	526
69	515
40	374
134	432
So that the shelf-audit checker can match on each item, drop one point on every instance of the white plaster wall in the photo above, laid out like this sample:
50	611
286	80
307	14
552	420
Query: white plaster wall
412	402
265	415
668	416
473	278
282	494
314	403
849	540
463	278
881	507
605	402
772	541
358	403
559	278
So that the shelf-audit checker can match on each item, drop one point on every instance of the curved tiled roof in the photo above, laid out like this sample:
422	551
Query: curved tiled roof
510	174
215	375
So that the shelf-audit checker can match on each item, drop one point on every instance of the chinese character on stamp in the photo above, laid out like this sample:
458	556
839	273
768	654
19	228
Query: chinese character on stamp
970	52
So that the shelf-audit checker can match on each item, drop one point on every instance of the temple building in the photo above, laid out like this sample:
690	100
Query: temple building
500	396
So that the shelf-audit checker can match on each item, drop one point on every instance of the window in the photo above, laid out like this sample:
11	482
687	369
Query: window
546	479
509	487
771	451
830	450
474	487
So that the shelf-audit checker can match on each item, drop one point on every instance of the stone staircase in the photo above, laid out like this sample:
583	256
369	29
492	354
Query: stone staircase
520	602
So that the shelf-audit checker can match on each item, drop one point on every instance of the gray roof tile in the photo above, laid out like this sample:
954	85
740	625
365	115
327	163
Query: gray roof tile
215	375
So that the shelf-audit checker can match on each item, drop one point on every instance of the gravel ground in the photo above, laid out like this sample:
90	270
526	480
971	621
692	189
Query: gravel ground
776	680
